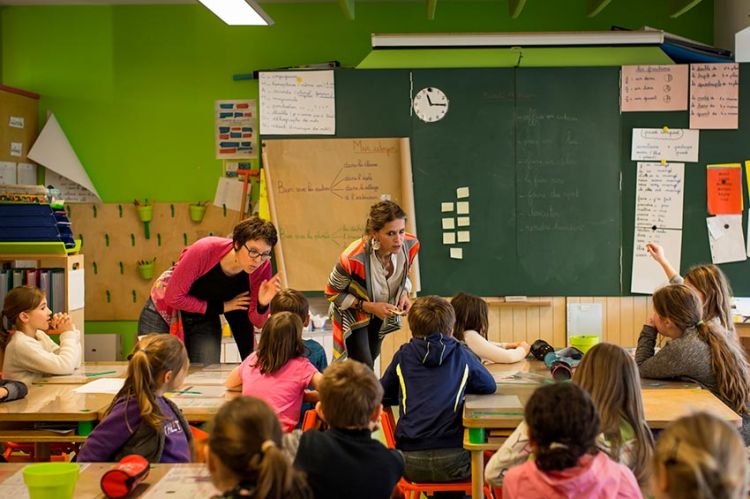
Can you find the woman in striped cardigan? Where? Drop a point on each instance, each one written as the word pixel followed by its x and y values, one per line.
pixel 369 286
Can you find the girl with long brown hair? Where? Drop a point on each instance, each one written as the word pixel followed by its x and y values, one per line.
pixel 245 457
pixel 279 372
pixel 140 419
pixel 699 350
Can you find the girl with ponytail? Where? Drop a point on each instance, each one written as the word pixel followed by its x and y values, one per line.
pixel 563 425
pixel 140 419
pixel 699 350
pixel 245 457
pixel 700 457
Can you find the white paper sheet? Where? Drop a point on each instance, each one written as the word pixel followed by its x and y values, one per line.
pixel 27 174
pixel 206 378
pixel 656 144
pixel 449 223
pixel 449 238
pixel 102 385
pixel 229 193
pixel 584 319
pixel 52 150
pixel 183 481
pixel 76 289
pixel 70 191
pixel 462 192
pixel 16 122
pixel 457 253
pixel 648 276
pixel 446 207
pixel 16 149
pixel 464 236
pixel 462 207
pixel 297 103
pixel 463 221
pixel 726 239
pixel 659 195
pixel 8 172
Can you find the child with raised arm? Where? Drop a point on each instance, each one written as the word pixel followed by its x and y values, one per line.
pixel 563 426
pixel 29 352
pixel 245 457
pixel 345 461
pixel 708 281
pixel 278 372
pixel 698 350
pixel 700 457
pixel 428 378
pixel 140 419
pixel 471 327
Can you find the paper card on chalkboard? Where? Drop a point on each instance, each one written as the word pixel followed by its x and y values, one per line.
pixel 659 195
pixel 462 192
pixel 445 207
pixel 647 275
pixel 726 239
pixel 714 96
pixel 449 238
pixel 462 207
pixel 457 253
pixel 466 221
pixel 297 103
pixel 656 144
pixel 724 189
pixel 463 236
pixel 654 88
pixel 449 223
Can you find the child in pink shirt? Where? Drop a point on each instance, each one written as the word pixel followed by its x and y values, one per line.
pixel 278 372
pixel 563 426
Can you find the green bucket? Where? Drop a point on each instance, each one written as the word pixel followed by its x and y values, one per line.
pixel 51 480
pixel 583 343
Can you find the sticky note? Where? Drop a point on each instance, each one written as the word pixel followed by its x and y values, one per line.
pixel 449 223
pixel 449 238
pixel 464 221
pixel 462 207
pixel 457 253
pixel 464 236
pixel 462 192
pixel 446 207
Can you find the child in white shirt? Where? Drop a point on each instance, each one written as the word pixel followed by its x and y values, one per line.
pixel 29 352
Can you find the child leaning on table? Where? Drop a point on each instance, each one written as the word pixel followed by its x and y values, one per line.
pixel 140 419
pixel 28 352
pixel 610 376
pixel 245 457
pixel 563 426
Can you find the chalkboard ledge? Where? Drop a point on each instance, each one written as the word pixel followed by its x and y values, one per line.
pixel 502 302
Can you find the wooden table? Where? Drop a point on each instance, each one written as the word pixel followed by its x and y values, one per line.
pixel 194 479
pixel 663 401
pixel 89 371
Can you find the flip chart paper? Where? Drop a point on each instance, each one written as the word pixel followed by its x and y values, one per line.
pixel 714 96
pixel 659 195
pixel 648 275
pixel 297 103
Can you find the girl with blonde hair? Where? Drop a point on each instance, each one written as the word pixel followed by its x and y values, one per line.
pixel 140 419
pixel 699 350
pixel 708 281
pixel 245 457
pixel 700 457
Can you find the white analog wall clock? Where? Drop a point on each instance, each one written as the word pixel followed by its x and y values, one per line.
pixel 430 104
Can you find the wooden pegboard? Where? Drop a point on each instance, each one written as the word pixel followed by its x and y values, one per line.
pixel 113 234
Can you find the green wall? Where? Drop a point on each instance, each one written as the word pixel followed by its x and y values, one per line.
pixel 133 86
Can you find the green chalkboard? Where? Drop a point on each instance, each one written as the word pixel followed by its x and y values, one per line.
pixel 539 151
pixel 716 146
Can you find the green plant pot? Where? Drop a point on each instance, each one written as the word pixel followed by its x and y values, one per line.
pixel 146 271
pixel 197 212
pixel 145 213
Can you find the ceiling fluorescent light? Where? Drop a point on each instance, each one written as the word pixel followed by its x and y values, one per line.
pixel 239 12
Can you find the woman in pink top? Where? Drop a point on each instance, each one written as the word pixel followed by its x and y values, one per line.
pixel 279 371
pixel 563 426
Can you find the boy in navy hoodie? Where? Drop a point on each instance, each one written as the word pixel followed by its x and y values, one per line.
pixel 428 379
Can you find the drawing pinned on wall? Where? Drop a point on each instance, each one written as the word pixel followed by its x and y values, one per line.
pixel 235 129
pixel 665 144
pixel 726 239
pixel 654 88
pixel 724 189
pixel 714 96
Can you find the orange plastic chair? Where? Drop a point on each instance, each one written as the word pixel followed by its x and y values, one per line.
pixel 200 442
pixel 410 489
pixel 312 421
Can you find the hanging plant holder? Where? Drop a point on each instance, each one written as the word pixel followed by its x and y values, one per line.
pixel 197 212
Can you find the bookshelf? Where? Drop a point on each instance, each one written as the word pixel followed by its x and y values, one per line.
pixel 23 257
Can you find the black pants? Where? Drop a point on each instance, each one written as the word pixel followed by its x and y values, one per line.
pixel 203 335
pixel 364 343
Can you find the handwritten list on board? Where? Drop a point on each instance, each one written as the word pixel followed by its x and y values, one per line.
pixel 297 103
pixel 714 96
pixel 654 88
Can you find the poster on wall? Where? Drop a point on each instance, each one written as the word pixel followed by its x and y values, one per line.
pixel 297 103
pixel 235 129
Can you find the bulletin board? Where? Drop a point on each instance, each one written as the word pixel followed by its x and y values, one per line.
pixel 114 240
pixel 20 108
